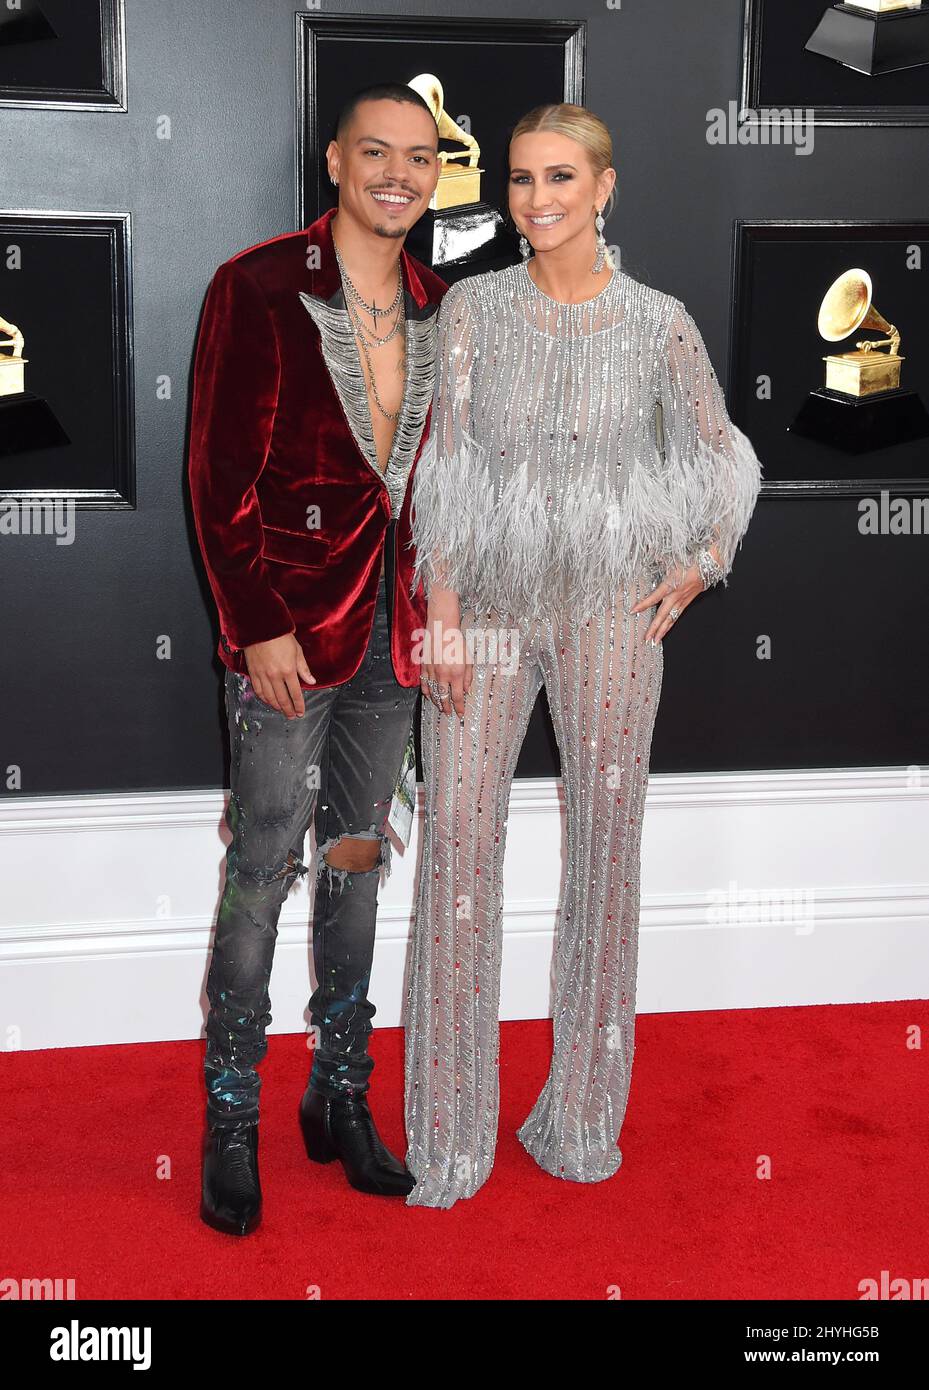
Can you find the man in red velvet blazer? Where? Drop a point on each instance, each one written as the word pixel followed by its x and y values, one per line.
pixel 313 385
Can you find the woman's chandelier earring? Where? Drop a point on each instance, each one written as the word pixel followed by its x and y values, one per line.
pixel 601 246
pixel 524 247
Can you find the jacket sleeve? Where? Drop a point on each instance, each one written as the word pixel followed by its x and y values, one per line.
pixel 450 463
pixel 711 470
pixel 235 388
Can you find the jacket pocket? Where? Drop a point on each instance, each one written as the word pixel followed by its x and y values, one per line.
pixel 307 551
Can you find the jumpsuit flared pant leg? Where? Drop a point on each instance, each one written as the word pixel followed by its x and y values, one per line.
pixel 603 685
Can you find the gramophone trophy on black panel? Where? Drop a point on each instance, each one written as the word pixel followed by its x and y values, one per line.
pixel 862 405
pixel 27 422
pixel 463 227
pixel 874 36
pixel 63 54
pixel 811 61
pixel 494 70
pixel 66 391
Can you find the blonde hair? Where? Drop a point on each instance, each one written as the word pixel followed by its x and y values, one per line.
pixel 580 125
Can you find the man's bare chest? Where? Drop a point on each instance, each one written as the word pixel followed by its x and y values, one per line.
pixel 384 370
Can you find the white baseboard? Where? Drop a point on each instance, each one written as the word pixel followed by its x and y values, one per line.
pixel 758 889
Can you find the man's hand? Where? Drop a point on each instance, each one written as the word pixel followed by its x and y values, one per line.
pixel 275 669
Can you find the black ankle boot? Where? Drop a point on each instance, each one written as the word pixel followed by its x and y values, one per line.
pixel 344 1129
pixel 231 1198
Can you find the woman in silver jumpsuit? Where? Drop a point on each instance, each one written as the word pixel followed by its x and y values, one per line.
pixel 581 471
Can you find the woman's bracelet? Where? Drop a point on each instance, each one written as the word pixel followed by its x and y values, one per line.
pixel 710 571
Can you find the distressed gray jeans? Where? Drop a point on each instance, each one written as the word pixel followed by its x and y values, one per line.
pixel 336 765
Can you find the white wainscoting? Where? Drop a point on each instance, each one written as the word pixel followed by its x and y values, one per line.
pixel 758 889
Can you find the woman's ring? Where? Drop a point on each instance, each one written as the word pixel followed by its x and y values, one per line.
pixel 674 614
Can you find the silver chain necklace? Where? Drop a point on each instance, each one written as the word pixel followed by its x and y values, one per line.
pixel 361 328
pixel 359 298
pixel 387 414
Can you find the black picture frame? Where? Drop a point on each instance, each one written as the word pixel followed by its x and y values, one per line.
pixel 72 298
pixel 778 75
pixel 76 62
pixel 780 271
pixel 319 37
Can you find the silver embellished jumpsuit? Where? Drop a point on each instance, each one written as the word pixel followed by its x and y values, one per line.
pixel 577 454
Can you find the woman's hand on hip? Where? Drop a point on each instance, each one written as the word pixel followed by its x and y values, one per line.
pixel 678 589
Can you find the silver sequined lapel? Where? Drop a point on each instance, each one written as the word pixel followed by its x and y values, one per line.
pixel 340 353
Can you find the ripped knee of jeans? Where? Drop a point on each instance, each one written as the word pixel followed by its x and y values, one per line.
pixel 353 856
pixel 290 870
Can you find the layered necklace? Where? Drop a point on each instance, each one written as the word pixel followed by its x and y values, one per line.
pixel 355 302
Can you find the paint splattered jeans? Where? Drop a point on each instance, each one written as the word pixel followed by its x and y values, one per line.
pixel 336 765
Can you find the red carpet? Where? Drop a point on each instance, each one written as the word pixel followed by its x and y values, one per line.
pixel 832 1094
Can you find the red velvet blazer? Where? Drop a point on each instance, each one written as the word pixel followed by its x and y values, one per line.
pixel 290 513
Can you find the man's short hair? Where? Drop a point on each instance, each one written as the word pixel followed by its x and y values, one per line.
pixel 381 91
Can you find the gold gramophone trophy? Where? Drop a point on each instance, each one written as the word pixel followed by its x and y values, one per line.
pixel 464 229
pixel 861 406
pixel 12 363
pixel 874 36
pixel 26 421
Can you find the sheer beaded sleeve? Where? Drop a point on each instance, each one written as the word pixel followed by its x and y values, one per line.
pixel 710 467
pixel 447 470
